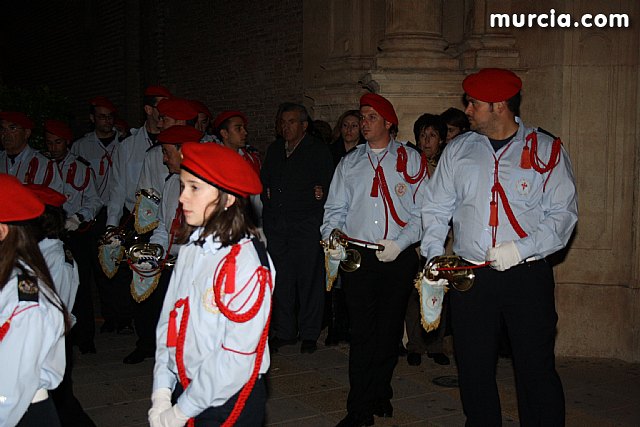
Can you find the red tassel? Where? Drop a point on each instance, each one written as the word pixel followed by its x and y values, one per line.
pixel 172 334
pixel 525 158
pixel 4 329
pixel 493 214
pixel 374 187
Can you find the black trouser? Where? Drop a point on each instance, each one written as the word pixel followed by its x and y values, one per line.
pixel 40 414
pixel 252 414
pixel 116 303
pixel 84 250
pixel 146 313
pixel 297 256
pixel 69 409
pixel 524 297
pixel 376 296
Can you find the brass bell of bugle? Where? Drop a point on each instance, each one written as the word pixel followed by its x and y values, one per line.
pixel 148 255
pixel 452 268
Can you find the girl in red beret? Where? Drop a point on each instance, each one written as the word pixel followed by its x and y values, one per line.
pixel 212 349
pixel 32 317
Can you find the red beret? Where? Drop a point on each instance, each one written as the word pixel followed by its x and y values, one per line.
pixel 177 108
pixel 47 195
pixel 201 108
pixel 59 129
pixel 157 91
pixel 179 134
pixel 381 105
pixel 18 118
pixel 492 85
pixel 18 203
pixel 102 101
pixel 221 167
pixel 227 115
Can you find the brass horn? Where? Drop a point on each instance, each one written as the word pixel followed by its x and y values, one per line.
pixel 146 258
pixel 353 258
pixel 115 235
pixel 458 272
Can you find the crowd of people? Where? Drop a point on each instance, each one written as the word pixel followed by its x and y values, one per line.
pixel 216 256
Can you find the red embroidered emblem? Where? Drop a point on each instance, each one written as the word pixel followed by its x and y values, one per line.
pixel 523 187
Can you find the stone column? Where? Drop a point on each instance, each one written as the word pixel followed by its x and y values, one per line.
pixel 413 37
pixel 487 46
pixel 351 29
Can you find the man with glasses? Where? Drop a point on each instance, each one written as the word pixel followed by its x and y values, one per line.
pixel 375 199
pixel 18 158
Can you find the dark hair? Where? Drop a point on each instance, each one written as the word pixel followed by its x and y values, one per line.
pixel 455 117
pixel 227 224
pixel 21 247
pixel 430 120
pixel 224 125
pixel 513 104
pixel 51 223
pixel 290 106
pixel 337 134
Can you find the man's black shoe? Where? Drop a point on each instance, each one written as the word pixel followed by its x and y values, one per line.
pixel 108 326
pixel 275 343
pixel 439 358
pixel 356 420
pixel 308 346
pixel 384 409
pixel 414 359
pixel 137 356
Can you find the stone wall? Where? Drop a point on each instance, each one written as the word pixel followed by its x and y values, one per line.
pixel 242 55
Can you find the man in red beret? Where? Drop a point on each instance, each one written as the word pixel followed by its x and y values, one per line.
pixel 149 292
pixel 123 165
pixel 375 200
pixel 98 147
pixel 82 203
pixel 203 122
pixel 18 158
pixel 230 128
pixel 128 162
pixel 172 112
pixel 295 175
pixel 510 193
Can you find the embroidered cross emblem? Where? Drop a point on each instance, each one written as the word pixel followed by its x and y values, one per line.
pixel 141 279
pixel 434 300
pixel 147 212
pixel 524 185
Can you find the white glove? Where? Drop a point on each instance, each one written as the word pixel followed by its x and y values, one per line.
pixel 172 417
pixel 504 256
pixel 72 223
pixel 390 252
pixel 160 402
